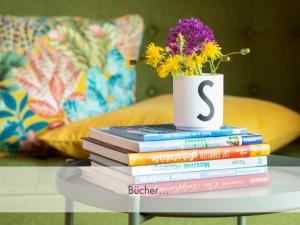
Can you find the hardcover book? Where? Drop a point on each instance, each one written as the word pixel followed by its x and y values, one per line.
pixel 169 132
pixel 173 156
pixel 105 135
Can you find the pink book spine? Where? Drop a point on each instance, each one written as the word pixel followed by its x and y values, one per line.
pixel 202 185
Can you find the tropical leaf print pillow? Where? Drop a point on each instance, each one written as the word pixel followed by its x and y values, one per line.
pixel 57 70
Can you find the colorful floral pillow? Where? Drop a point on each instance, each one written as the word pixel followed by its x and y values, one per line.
pixel 57 70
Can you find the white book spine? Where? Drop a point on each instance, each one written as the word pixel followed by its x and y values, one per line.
pixel 199 166
pixel 170 177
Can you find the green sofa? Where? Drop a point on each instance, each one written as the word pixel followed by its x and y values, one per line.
pixel 270 28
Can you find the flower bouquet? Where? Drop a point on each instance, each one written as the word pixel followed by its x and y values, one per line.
pixel 198 96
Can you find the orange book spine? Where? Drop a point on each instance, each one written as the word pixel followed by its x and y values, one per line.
pixel 191 155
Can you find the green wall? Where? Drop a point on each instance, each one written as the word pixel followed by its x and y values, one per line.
pixel 270 28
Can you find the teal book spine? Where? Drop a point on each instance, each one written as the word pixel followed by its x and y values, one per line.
pixel 169 132
pixel 207 142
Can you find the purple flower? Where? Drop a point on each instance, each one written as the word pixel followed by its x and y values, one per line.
pixel 195 33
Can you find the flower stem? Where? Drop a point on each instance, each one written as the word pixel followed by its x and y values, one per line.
pixel 232 53
pixel 218 64
pixel 220 60
pixel 211 66
pixel 199 70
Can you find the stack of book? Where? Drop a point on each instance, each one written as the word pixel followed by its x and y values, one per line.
pixel 161 160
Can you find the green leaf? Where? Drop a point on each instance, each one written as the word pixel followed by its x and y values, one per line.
pixel 9 75
pixel 21 60
pixel 27 114
pixel 10 58
pixel 8 132
pixel 12 87
pixel 9 100
pixel 4 58
pixel 23 102
pixel 37 126
pixel 4 114
pixel 4 70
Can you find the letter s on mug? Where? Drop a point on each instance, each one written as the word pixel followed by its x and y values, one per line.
pixel 206 100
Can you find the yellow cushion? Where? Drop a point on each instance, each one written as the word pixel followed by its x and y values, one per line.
pixel 278 124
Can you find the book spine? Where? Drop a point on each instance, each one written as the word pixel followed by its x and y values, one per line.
pixel 199 166
pixel 193 134
pixel 193 186
pixel 251 139
pixel 191 155
pixel 192 143
pixel 171 177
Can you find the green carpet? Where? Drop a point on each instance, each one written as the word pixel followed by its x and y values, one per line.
pixel 25 160
pixel 121 219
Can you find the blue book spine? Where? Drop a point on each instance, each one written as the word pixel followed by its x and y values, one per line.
pixel 140 133
pixel 251 139
pixel 207 142
pixel 194 134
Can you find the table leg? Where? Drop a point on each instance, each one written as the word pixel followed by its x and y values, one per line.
pixel 133 218
pixel 241 220
pixel 69 216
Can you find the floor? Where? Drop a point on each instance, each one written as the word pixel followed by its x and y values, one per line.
pixel 121 219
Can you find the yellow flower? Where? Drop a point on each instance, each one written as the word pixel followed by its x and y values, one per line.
pixel 162 71
pixel 154 55
pixel 201 59
pixel 191 61
pixel 173 63
pixel 188 72
pixel 211 51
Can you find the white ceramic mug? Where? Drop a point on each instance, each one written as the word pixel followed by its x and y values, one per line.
pixel 198 102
